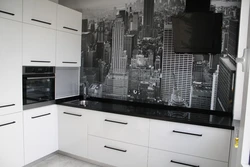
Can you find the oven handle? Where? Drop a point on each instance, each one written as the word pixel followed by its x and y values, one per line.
pixel 33 78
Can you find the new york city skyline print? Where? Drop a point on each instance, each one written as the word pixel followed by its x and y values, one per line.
pixel 128 54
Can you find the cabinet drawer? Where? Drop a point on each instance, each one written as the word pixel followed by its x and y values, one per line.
pixel 11 137
pixel 119 127
pixel 206 142
pixel 68 50
pixel 116 153
pixel 158 158
pixel 72 130
pixel 40 132
pixel 11 9
pixel 39 12
pixel 39 46
pixel 69 20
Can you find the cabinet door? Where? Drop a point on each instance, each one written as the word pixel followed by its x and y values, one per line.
pixel 158 158
pixel 68 50
pixel 40 132
pixel 11 9
pixel 72 131
pixel 69 20
pixel 39 12
pixel 11 140
pixel 38 46
pixel 116 153
pixel 10 66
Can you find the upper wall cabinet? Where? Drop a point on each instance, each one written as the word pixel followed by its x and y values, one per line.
pixel 39 46
pixel 69 20
pixel 40 13
pixel 10 66
pixel 11 9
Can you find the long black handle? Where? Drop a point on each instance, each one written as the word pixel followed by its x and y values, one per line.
pixel 69 62
pixel 8 123
pixel 40 116
pixel 77 115
pixel 68 28
pixel 117 122
pixel 8 13
pixel 180 163
pixel 38 61
pixel 40 21
pixel 186 133
pixel 116 149
pixel 10 105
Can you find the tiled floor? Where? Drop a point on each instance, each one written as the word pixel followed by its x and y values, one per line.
pixel 58 160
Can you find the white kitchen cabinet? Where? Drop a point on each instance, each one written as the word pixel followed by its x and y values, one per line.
pixel 40 132
pixel 159 158
pixel 11 9
pixel 40 12
pixel 39 46
pixel 11 140
pixel 10 66
pixel 68 50
pixel 122 128
pixel 206 142
pixel 69 20
pixel 72 131
pixel 116 153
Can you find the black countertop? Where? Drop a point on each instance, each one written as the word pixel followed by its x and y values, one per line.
pixel 214 119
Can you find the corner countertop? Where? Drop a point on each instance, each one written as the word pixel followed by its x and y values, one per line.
pixel 214 119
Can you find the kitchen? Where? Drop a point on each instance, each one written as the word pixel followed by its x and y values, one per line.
pixel 87 80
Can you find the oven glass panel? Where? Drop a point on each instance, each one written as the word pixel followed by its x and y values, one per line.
pixel 38 90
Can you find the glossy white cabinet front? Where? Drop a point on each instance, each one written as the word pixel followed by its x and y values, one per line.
pixel 40 132
pixel 72 130
pixel 68 50
pixel 69 20
pixel 158 158
pixel 11 140
pixel 206 142
pixel 122 128
pixel 40 12
pixel 116 153
pixel 38 46
pixel 10 66
pixel 11 9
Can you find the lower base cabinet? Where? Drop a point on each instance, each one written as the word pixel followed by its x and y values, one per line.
pixel 40 132
pixel 116 153
pixel 158 158
pixel 72 131
pixel 11 140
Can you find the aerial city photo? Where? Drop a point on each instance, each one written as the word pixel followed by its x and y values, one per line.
pixel 128 54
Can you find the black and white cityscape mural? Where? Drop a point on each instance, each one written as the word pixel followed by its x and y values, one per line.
pixel 127 54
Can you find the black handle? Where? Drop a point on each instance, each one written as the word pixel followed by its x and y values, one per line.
pixel 77 115
pixel 40 21
pixel 10 105
pixel 8 13
pixel 40 116
pixel 180 163
pixel 37 61
pixel 116 149
pixel 68 28
pixel 186 133
pixel 117 122
pixel 8 123
pixel 69 62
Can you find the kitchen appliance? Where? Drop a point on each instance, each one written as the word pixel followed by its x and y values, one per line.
pixel 38 86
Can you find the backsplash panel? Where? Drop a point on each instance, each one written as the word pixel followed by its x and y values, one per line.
pixel 130 57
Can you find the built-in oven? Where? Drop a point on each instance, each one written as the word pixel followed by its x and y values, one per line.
pixel 38 86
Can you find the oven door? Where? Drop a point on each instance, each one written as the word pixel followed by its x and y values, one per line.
pixel 38 88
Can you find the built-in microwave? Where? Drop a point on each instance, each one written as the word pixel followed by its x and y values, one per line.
pixel 38 86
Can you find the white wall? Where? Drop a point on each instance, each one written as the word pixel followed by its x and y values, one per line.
pixel 56 1
pixel 67 82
